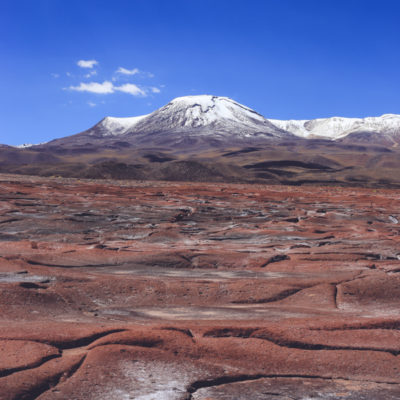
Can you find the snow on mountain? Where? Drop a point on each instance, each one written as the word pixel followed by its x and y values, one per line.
pixel 221 116
pixel 24 146
pixel 185 122
pixel 196 111
pixel 118 126
pixel 207 115
pixel 337 127
pixel 211 121
pixel 28 145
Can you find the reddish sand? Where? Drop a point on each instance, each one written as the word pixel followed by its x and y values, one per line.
pixel 160 290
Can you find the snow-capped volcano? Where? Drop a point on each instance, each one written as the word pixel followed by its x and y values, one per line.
pixel 202 114
pixel 197 111
pixel 203 111
pixel 185 121
pixel 207 115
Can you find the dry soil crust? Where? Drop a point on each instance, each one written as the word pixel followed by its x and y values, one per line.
pixel 115 290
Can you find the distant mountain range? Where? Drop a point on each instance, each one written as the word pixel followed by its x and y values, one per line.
pixel 215 138
pixel 222 119
pixel 185 122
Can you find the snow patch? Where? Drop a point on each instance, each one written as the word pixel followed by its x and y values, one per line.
pixel 338 127
pixel 118 126
pixel 27 145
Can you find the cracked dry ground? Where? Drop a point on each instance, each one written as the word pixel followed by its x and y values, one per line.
pixel 156 290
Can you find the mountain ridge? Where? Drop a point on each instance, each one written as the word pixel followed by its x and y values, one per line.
pixel 204 120
pixel 202 115
pixel 211 138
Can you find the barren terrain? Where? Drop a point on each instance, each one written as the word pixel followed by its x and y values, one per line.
pixel 288 162
pixel 162 290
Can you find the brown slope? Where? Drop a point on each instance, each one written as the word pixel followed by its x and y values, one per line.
pixel 295 161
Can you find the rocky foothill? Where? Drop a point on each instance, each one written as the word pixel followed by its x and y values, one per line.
pixel 173 290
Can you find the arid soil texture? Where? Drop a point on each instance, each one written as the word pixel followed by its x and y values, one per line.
pixel 160 290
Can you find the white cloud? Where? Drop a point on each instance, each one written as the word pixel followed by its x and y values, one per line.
pixel 91 73
pixel 94 87
pixel 68 73
pixel 55 75
pixel 125 71
pixel 87 63
pixel 91 104
pixel 155 90
pixel 108 87
pixel 131 89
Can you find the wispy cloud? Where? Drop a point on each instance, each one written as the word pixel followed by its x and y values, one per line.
pixel 130 88
pixel 86 63
pixel 124 71
pixel 118 82
pixel 94 87
pixel 55 75
pixel 91 73
pixel 108 87
pixel 91 104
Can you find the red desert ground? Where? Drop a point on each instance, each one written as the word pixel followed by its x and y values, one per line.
pixel 171 290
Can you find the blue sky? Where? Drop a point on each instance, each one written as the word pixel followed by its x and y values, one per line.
pixel 287 59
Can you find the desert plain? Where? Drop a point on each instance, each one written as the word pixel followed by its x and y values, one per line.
pixel 177 290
